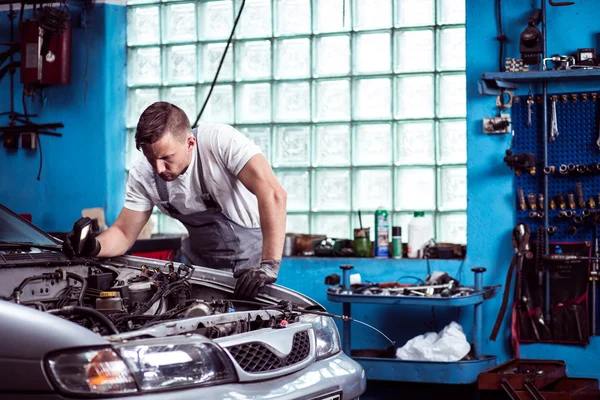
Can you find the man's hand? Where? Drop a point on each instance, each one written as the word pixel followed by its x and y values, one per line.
pixel 251 281
pixel 91 246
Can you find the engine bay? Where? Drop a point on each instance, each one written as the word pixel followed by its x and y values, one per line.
pixel 110 300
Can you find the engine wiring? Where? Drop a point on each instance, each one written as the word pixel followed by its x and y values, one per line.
pixel 289 306
pixel 170 292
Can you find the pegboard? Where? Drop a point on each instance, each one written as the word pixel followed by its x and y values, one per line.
pixel 578 127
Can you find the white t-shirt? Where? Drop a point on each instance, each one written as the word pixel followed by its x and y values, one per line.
pixel 224 151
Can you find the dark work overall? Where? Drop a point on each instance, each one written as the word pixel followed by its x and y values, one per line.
pixel 214 240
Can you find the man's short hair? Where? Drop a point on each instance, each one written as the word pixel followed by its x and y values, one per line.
pixel 158 119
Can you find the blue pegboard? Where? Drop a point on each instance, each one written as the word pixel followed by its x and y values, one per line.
pixel 577 115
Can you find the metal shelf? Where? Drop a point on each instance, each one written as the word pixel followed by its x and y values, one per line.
pixel 454 373
pixel 392 369
pixel 401 300
pixel 492 83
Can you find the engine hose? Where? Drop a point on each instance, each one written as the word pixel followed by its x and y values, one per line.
pixel 83 282
pixel 17 291
pixel 86 312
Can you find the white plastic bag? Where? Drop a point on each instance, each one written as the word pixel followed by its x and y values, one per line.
pixel 449 345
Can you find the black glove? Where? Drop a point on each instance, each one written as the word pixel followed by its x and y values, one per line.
pixel 250 281
pixel 91 246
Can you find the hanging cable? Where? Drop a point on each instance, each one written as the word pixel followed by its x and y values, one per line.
pixel 37 135
pixel 39 143
pixel 501 38
pixel 20 25
pixel 53 20
pixel 214 82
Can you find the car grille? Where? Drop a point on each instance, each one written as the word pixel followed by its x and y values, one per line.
pixel 256 357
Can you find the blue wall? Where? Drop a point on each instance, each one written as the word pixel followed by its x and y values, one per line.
pixel 84 168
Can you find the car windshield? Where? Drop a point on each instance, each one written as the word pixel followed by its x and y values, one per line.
pixel 14 229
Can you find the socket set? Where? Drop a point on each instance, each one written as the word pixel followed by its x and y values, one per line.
pixel 573 169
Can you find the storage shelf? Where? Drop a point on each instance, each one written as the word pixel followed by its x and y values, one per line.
pixel 393 369
pixel 451 372
pixel 469 300
pixel 539 76
pixel 492 82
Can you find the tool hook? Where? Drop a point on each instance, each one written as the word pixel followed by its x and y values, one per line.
pixel 561 3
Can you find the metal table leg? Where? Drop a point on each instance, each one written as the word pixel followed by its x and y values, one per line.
pixel 478 335
pixel 346 309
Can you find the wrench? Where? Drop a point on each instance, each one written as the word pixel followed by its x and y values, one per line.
pixel 554 131
pixel 529 110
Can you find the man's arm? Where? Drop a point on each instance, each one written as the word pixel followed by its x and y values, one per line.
pixel 119 238
pixel 258 177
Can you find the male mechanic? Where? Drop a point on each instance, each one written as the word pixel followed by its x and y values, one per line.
pixel 217 183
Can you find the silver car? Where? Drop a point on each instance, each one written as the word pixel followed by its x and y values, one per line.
pixel 132 327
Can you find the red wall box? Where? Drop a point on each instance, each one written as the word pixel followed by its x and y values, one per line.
pixel 52 68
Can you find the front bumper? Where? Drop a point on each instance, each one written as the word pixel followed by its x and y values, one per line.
pixel 337 373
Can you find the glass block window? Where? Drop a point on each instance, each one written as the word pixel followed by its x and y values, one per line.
pixel 356 104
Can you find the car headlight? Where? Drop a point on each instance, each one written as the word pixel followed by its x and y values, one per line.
pixel 326 335
pixel 140 368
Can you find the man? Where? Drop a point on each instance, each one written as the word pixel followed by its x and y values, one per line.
pixel 217 183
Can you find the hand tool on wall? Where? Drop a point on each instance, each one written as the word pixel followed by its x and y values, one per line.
pixel 529 110
pixel 531 199
pixel 594 278
pixel 561 3
pixel 522 203
pixel 571 200
pixel 539 252
pixel 565 214
pixel 520 162
pixel 529 312
pixel 560 199
pixel 580 198
pixel 554 122
pixel 520 240
pixel 563 170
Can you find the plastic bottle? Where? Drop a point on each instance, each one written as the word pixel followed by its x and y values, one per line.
pixel 382 233
pixel 396 242
pixel 419 232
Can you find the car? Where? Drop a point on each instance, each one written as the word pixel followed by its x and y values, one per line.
pixel 132 327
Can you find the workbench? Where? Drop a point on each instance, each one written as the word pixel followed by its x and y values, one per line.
pixel 393 369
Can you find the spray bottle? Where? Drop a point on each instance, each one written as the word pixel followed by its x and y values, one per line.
pixel 382 233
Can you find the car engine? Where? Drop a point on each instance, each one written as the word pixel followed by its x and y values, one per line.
pixel 110 300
